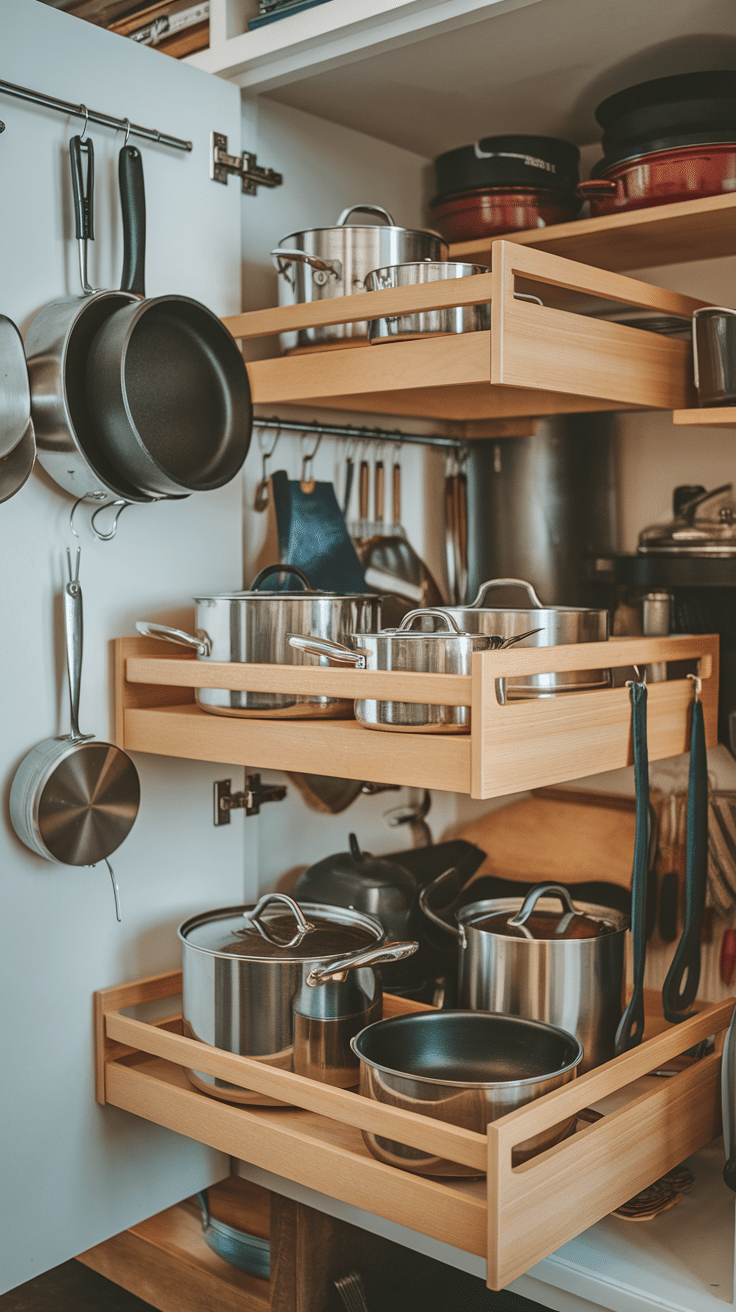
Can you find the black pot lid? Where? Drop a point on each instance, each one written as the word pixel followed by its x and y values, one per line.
pixel 699 86
pixel 357 875
pixel 640 152
pixel 507 161
pixel 273 933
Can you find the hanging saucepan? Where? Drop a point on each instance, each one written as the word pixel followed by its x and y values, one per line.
pixel 74 799
pixel 15 406
pixel 57 344
pixel 321 263
pixel 167 387
pixel 290 984
pixel 253 627
pixel 16 466
pixel 558 626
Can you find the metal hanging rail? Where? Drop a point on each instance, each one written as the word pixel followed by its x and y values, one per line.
pixel 94 116
pixel 360 434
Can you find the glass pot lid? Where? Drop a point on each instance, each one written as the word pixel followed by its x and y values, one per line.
pixel 279 929
pixel 703 526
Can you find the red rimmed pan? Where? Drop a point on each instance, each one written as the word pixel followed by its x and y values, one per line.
pixel 167 386
pixel 662 177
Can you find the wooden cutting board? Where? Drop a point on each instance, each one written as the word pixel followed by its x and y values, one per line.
pixel 558 834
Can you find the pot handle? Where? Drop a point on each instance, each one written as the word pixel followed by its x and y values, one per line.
pixel 728 1103
pixel 372 957
pixel 530 901
pixel 596 187
pixel 202 645
pixel 506 583
pixel 450 622
pixel 365 209
pixel 268 570
pixel 283 258
pixel 303 925
pixel 426 909
pixel 335 651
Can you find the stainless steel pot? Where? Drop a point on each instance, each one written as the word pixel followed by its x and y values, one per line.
pixel 432 323
pixel 714 355
pixel 558 626
pixel 447 652
pixel 287 984
pixel 464 1067
pixel 322 263
pixel 545 957
pixel 253 626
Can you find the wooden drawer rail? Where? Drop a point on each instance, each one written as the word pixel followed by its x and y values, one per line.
pixel 527 1211
pixel 536 360
pixel 511 748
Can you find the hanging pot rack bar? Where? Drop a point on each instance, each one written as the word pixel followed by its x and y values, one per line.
pixel 361 434
pixel 94 116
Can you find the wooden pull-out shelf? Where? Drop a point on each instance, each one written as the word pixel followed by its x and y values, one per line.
pixel 511 748
pixel 536 360
pixel 515 1217
pixel 716 416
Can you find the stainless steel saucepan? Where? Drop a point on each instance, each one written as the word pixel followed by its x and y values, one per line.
pixel 253 626
pixel 445 651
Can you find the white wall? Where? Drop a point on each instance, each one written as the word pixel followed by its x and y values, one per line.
pixel 72 1172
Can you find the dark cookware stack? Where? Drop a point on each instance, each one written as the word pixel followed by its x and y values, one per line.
pixel 504 184
pixel 667 140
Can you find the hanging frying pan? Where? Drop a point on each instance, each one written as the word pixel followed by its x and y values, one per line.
pixel 167 386
pixel 15 408
pixel 56 345
pixel 74 799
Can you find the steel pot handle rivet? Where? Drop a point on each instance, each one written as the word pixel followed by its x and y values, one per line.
pixel 303 925
pixel 530 901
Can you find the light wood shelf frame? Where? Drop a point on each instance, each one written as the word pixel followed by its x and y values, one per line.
pixel 316 1140
pixel 723 416
pixel 536 360
pixel 510 748
pixel 703 229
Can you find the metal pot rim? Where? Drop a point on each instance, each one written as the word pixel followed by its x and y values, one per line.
pixel 362 227
pixel 340 915
pixel 488 906
pixel 503 1018
pixel 290 596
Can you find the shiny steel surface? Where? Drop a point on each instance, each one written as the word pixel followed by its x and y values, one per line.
pixel 574 983
pixel 15 411
pixel 464 1067
pixel 346 254
pixel 254 627
pixel 265 1006
pixel 557 626
pixel 705 526
pixel 15 468
pixel 433 323
pixel 714 352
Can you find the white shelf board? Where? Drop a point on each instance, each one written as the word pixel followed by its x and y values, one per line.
pixel 682 1261
pixel 430 75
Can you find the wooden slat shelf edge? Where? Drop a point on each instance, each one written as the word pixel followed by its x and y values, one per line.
pixel 512 748
pixel 640 239
pixel 589 1174
pixel 708 416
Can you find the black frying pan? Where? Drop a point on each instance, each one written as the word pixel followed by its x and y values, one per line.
pixel 167 386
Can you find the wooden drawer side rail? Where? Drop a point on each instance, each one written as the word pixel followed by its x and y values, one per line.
pixel 587 1175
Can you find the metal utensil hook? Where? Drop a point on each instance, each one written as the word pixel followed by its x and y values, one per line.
pixel 83 110
pixel 126 121
pixel 107 537
pixel 73 575
pixel 260 500
pixel 697 685
pixel 115 889
pixel 88 496
pixel 307 479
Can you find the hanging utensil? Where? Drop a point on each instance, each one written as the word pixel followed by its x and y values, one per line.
pixel 396 527
pixel 461 528
pixel 451 529
pixel 630 1031
pixel 379 494
pixel 349 476
pixel 74 799
pixel 683 977
pixel 260 500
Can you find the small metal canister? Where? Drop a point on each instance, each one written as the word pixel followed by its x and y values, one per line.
pixel 714 355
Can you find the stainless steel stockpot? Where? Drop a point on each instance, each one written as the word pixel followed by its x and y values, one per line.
pixel 287 983
pixel 545 957
pixel 558 626
pixel 714 355
pixel 321 263
pixel 446 652
pixel 253 626
pixel 464 1067
pixel 431 323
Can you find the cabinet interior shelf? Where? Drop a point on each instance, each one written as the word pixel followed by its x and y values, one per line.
pixel 640 239
pixel 650 1125
pixel 510 748
pixel 536 360
pixel 721 416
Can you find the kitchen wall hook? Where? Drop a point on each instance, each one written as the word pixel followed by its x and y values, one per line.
pixel 250 801
pixel 252 175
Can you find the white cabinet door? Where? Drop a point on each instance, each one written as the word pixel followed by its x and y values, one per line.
pixel 72 1173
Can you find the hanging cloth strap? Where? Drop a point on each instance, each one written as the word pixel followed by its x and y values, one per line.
pixel 681 985
pixel 631 1026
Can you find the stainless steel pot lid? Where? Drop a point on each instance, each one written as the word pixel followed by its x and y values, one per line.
pixel 704 526
pixel 558 919
pixel 279 929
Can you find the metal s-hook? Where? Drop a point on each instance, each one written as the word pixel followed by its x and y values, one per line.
pixel 88 496
pixel 697 685
pixel 126 121
pixel 83 109
pixel 307 480
pixel 260 501
pixel 107 537
pixel 73 575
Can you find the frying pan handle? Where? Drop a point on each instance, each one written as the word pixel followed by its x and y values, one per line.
pixel 133 206
pixel 334 651
pixel 506 583
pixel 681 984
pixel 201 645
pixel 83 187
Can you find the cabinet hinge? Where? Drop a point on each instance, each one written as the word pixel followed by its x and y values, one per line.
pixel 250 801
pixel 244 166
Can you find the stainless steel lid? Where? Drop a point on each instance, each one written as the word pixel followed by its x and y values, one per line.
pixel 279 929
pixel 704 526
pixel 546 913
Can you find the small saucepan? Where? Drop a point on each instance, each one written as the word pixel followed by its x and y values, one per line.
pixel 465 1067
